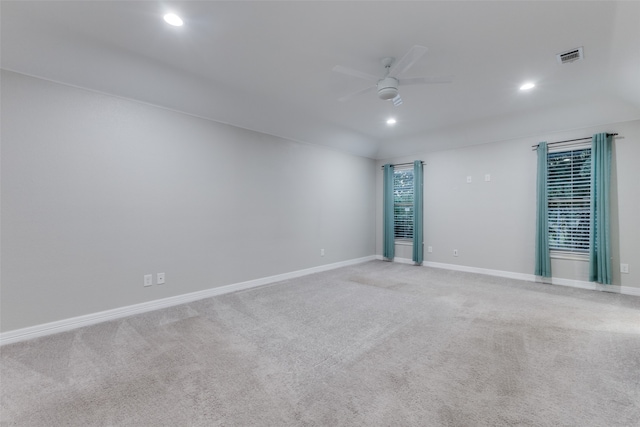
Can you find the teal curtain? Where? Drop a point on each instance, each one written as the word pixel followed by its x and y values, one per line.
pixel 388 236
pixel 417 212
pixel 543 257
pixel 600 244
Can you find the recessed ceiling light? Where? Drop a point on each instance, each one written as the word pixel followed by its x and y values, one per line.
pixel 173 19
pixel 391 121
pixel 527 86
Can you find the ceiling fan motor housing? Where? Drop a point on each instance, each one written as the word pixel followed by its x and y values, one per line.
pixel 388 88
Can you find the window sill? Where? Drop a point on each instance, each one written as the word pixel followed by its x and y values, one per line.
pixel 569 255
pixel 404 242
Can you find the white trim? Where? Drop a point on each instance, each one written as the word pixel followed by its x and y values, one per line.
pixel 396 259
pixel 498 273
pixel 582 284
pixel 630 290
pixel 593 286
pixel 118 313
pixel 404 261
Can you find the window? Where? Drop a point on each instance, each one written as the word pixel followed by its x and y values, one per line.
pixel 403 204
pixel 569 192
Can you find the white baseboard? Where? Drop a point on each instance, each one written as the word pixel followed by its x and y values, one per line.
pixel 498 273
pixel 117 313
pixel 404 261
pixel 396 259
pixel 630 290
pixel 626 290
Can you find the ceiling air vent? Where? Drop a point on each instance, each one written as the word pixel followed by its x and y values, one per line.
pixel 570 55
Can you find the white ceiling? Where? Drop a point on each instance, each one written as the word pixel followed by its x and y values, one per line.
pixel 267 66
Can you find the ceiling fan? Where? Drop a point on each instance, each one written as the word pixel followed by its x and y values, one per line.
pixel 387 86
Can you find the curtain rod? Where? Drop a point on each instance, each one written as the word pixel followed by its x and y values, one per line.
pixel 534 147
pixel 403 164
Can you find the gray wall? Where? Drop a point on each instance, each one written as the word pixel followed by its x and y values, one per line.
pixel 492 224
pixel 98 191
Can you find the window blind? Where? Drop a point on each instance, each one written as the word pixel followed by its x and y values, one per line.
pixel 569 190
pixel 403 203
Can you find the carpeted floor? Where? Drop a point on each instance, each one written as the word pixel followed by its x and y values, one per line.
pixel 377 344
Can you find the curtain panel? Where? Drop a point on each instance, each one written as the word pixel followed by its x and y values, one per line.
pixel 418 196
pixel 388 236
pixel 600 243
pixel 543 256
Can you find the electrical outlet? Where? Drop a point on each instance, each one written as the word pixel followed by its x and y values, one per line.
pixel 624 268
pixel 160 279
pixel 455 252
pixel 429 249
pixel 321 252
pixel 148 279
pixel 468 180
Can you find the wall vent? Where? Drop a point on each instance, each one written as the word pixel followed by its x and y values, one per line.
pixel 570 56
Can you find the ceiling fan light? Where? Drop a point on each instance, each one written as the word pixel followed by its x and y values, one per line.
pixel 387 88
pixel 387 93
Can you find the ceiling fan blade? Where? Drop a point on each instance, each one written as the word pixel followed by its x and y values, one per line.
pixel 360 92
pixel 426 80
pixel 407 61
pixel 355 73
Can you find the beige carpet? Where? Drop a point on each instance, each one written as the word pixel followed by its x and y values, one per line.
pixel 377 344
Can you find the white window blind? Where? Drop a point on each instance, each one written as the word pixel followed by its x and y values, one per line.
pixel 403 203
pixel 569 191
